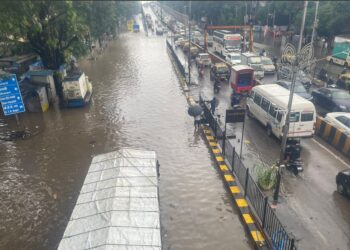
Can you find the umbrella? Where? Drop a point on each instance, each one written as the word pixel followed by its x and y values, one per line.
pixel 195 110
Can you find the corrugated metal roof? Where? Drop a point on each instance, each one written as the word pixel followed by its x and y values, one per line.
pixel 118 205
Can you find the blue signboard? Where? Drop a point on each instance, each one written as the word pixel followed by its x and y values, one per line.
pixel 10 95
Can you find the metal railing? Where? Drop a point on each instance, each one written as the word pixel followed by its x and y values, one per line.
pixel 279 239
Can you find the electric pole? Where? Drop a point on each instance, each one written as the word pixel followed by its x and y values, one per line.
pixel 314 29
pixel 290 101
pixel 189 40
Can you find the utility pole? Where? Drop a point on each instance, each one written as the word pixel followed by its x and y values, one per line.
pixel 314 29
pixel 290 101
pixel 189 40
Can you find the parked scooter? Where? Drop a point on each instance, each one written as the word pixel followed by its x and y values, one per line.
pixel 292 155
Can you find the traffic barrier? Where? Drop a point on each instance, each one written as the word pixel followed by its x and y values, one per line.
pixel 336 137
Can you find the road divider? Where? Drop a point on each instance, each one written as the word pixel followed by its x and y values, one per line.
pixel 252 224
pixel 336 137
pixel 237 194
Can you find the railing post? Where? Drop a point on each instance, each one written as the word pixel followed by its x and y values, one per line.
pixel 215 124
pixel 292 245
pixel 233 159
pixel 246 182
pixel 264 214
pixel 223 143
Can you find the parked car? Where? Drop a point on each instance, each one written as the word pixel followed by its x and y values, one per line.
pixel 219 71
pixel 339 120
pixel 286 73
pixel 332 99
pixel 233 58
pixel 343 182
pixel 203 59
pixel 267 65
pixel 299 88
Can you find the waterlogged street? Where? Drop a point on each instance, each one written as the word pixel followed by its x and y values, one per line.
pixel 137 103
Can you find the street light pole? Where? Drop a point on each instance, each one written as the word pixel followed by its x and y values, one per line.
pixel 290 101
pixel 314 31
pixel 189 40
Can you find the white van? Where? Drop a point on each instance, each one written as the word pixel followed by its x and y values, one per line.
pixel 268 104
pixel 254 61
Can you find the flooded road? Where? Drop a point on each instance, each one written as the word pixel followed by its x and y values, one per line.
pixel 137 102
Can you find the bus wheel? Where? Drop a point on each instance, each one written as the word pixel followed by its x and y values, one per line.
pixel 268 130
pixel 346 64
pixel 331 61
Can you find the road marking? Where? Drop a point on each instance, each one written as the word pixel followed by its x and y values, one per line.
pixel 248 219
pixel 219 158
pixel 223 168
pixel 216 150
pixel 235 190
pixel 228 177
pixel 329 151
pixel 241 203
pixel 257 236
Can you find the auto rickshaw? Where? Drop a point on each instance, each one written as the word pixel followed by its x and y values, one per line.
pixel 242 79
pixel 219 71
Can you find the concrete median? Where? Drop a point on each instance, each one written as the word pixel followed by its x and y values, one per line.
pixel 338 138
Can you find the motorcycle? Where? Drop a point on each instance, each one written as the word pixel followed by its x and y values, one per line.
pixel 217 87
pixel 293 162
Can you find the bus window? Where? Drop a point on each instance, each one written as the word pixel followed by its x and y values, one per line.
pixel 307 117
pixel 265 104
pixel 294 117
pixel 272 111
pixel 257 99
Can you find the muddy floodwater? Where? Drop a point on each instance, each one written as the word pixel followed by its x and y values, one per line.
pixel 137 102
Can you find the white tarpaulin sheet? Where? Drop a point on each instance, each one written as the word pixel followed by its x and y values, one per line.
pixel 118 204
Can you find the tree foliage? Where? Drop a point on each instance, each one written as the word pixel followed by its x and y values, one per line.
pixel 55 29
pixel 333 16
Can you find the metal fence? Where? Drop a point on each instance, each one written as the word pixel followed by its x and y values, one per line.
pixel 177 61
pixel 279 238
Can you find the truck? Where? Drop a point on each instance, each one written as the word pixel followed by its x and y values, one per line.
pixel 341 51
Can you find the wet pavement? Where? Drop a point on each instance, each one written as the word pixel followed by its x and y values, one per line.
pixel 137 102
pixel 309 207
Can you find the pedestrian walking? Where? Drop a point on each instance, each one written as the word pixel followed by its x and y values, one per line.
pixel 213 105
pixel 197 122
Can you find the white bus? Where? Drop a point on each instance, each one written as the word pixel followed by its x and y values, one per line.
pixel 225 42
pixel 268 104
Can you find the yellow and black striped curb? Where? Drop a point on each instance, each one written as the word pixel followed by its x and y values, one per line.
pixel 334 136
pixel 254 232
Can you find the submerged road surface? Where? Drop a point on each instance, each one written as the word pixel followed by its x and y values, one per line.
pixel 137 102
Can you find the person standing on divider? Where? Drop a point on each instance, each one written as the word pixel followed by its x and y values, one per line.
pixel 197 121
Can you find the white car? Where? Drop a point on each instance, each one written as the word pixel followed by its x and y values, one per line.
pixel 203 59
pixel 340 120
pixel 267 65
pixel 233 58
